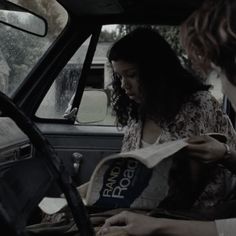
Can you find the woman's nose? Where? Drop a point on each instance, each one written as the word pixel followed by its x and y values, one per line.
pixel 124 83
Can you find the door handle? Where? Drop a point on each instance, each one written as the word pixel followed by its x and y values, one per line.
pixel 77 160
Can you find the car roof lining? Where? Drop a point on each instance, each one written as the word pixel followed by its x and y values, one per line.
pixel 124 11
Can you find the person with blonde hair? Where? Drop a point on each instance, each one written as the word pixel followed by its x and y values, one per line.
pixel 209 37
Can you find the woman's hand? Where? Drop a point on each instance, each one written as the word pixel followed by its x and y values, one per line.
pixel 206 149
pixel 130 223
pixel 133 224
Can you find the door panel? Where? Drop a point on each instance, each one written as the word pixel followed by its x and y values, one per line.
pixel 91 142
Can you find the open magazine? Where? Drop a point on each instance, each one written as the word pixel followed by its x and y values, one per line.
pixel 135 179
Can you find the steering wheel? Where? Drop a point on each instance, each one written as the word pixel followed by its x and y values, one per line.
pixel 51 159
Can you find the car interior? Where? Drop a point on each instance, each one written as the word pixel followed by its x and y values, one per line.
pixel 56 120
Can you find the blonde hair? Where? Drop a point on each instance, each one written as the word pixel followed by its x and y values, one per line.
pixel 209 36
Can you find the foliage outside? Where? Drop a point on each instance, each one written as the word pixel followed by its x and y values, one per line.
pixel 21 55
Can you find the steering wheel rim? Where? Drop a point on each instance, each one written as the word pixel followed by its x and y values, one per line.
pixel 49 155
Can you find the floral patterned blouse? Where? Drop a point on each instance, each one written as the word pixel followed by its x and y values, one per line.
pixel 192 119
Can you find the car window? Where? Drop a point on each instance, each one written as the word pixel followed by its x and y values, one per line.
pixel 60 97
pixel 18 57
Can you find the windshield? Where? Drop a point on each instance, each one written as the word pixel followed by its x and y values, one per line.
pixel 20 51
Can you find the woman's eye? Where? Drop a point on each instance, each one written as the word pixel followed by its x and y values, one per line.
pixel 132 74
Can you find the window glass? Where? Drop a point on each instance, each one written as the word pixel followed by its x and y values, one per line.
pixel 60 95
pixel 99 79
pixel 57 103
pixel 18 57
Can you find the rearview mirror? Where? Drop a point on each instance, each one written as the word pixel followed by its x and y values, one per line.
pixel 93 107
pixel 22 19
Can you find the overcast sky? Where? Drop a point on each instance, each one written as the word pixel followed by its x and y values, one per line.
pixel 109 27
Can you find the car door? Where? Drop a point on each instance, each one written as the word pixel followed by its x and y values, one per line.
pixel 83 140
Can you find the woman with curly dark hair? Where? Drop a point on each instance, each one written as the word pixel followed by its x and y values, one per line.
pixel 155 97
pixel 149 58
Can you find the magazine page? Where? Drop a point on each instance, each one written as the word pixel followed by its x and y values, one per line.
pixel 127 183
pixel 150 156
pixel 153 154
pixel 135 179
pixel 52 205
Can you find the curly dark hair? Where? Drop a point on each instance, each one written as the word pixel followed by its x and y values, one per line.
pixel 164 83
pixel 209 36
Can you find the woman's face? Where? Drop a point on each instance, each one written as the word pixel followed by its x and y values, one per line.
pixel 129 77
